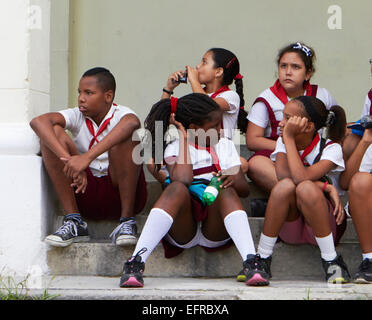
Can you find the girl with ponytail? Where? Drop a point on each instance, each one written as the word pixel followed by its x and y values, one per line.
pixel 180 218
pixel 304 206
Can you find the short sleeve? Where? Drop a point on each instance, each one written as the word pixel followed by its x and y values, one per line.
pixel 279 148
pixel 258 115
pixel 366 165
pixel 232 98
pixel 333 153
pixel 172 149
pixel 73 118
pixel 227 154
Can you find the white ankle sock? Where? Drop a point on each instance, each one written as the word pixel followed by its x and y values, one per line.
pixel 237 226
pixel 327 247
pixel 156 227
pixel 367 255
pixel 266 246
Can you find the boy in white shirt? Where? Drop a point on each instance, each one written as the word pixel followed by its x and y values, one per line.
pixel 93 173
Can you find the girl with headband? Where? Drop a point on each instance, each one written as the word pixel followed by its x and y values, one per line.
pixel 295 69
pixel 304 206
pixel 180 218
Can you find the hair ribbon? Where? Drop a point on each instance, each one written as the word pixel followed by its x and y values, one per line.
pixel 174 104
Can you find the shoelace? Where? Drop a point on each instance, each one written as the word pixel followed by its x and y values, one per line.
pixel 134 264
pixel 125 228
pixel 68 226
pixel 364 265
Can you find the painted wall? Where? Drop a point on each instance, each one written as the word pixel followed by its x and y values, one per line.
pixel 142 42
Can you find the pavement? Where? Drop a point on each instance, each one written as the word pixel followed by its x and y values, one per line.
pixel 157 288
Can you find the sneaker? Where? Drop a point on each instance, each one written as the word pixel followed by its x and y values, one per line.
pixel 133 271
pixel 241 277
pixel 258 207
pixel 364 274
pixel 336 270
pixel 125 234
pixel 71 231
pixel 256 270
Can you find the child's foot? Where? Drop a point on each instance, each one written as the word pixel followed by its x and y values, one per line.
pixel 336 270
pixel 364 273
pixel 72 230
pixel 241 277
pixel 125 234
pixel 133 271
pixel 256 270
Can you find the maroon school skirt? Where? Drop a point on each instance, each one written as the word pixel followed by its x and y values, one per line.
pixel 265 153
pixel 101 200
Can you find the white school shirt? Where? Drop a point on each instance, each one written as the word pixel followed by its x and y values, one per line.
pixel 229 117
pixel 332 152
pixel 225 149
pixel 366 164
pixel 367 104
pixel 260 117
pixel 75 123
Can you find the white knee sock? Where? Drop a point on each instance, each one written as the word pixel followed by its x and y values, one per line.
pixel 237 226
pixel 327 247
pixel 266 246
pixel 367 255
pixel 156 227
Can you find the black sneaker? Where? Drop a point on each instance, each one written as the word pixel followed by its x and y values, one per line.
pixel 267 266
pixel 258 207
pixel 256 270
pixel 72 230
pixel 133 271
pixel 125 234
pixel 364 274
pixel 336 270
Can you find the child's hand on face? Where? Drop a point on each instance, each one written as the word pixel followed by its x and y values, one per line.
pixel 178 125
pixel 294 126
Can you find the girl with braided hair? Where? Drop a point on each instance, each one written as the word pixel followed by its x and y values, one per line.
pixel 180 218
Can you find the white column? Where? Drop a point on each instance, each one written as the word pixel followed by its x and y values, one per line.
pixel 24 93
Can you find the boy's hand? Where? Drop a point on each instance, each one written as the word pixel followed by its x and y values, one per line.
pixel 75 165
pixel 80 183
pixel 294 126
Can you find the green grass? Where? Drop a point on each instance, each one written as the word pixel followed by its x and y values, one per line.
pixel 10 289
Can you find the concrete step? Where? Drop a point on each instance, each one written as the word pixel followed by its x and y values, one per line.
pixel 102 258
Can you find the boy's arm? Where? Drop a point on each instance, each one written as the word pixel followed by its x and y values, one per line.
pixel 355 160
pixel 43 127
pixel 121 132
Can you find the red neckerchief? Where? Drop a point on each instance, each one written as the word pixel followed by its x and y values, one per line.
pixel 220 90
pixel 212 152
pixel 102 128
pixel 310 148
pixel 280 93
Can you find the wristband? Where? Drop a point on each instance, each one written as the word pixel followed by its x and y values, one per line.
pixel 325 186
pixel 167 91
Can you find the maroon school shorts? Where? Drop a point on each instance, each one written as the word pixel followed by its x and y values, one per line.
pixel 101 200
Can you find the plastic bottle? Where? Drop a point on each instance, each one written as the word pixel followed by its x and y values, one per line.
pixel 211 191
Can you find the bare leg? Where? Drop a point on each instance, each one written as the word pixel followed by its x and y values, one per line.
pixel 281 207
pixel 54 167
pixel 124 175
pixel 313 205
pixel 261 171
pixel 360 202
